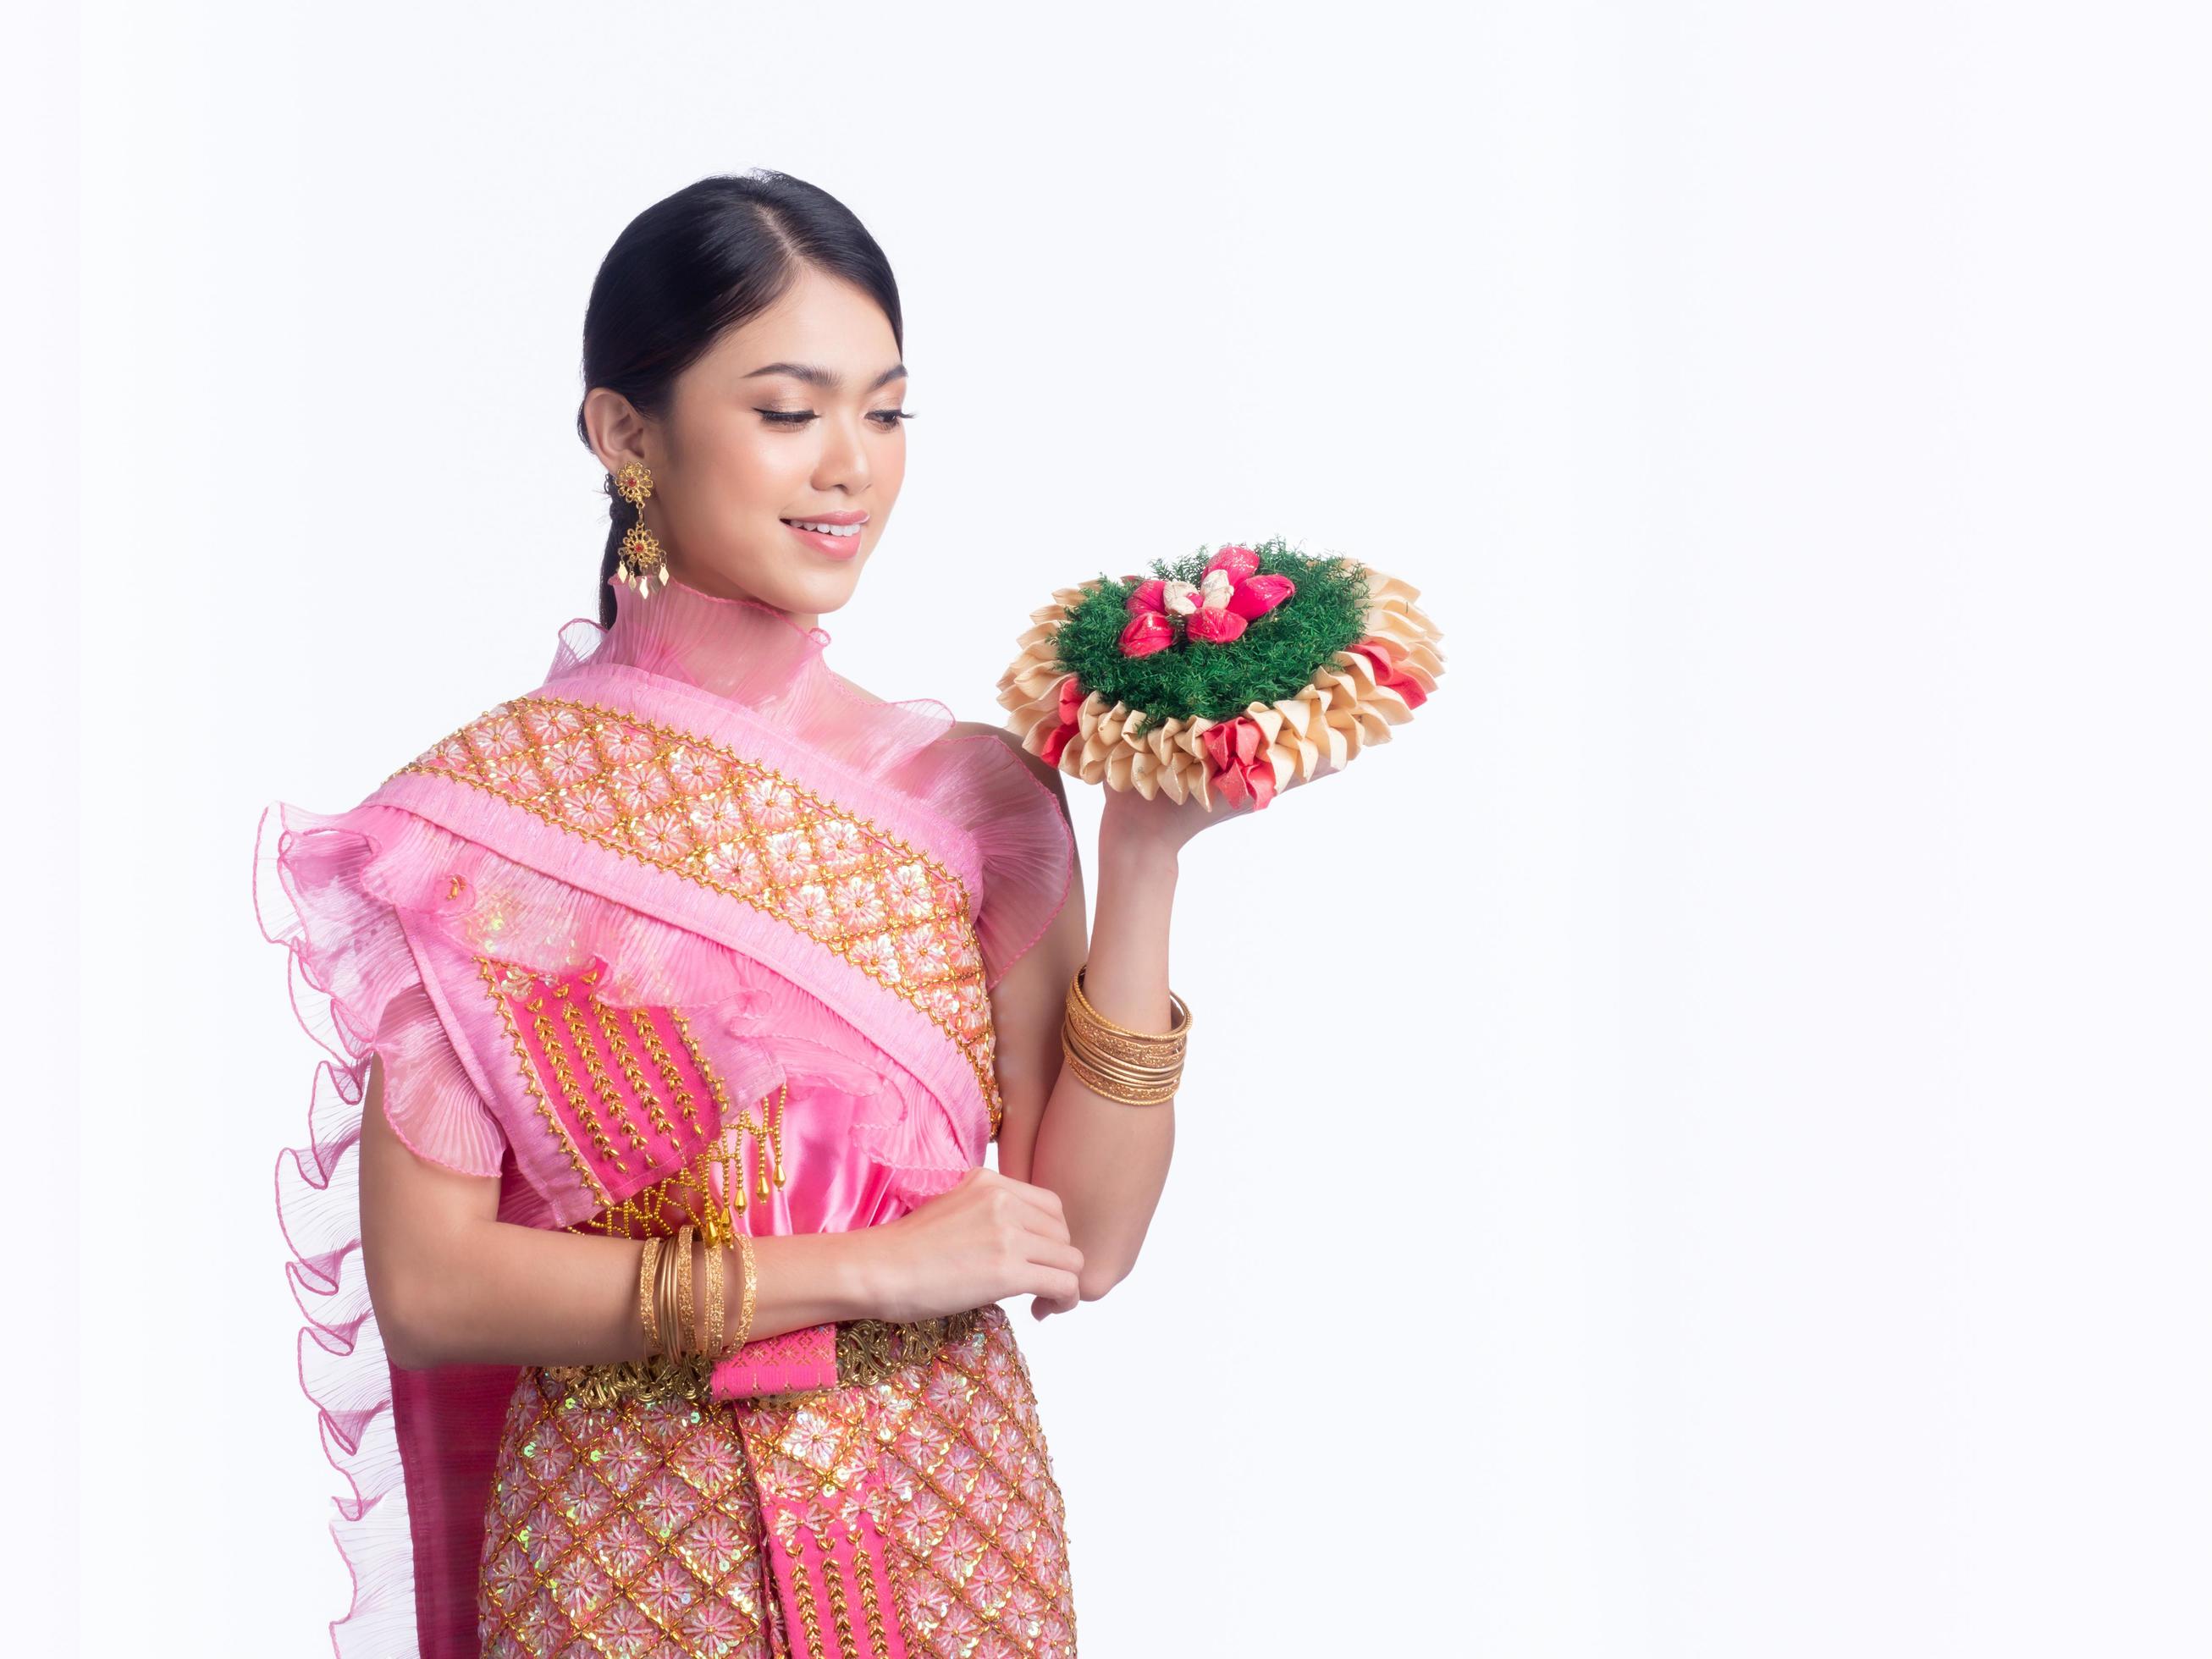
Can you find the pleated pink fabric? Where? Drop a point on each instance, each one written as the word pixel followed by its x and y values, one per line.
pixel 771 883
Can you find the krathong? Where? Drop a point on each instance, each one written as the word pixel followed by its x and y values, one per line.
pixel 1223 677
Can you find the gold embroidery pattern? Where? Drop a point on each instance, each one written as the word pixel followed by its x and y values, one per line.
pixel 638 1528
pixel 804 1584
pixel 492 973
pixel 685 1103
pixel 679 803
pixel 836 1580
pixel 869 1351
pixel 879 1645
pixel 548 1071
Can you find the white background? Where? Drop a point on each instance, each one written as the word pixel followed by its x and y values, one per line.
pixel 1698 1148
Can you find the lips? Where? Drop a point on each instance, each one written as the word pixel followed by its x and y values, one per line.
pixel 833 547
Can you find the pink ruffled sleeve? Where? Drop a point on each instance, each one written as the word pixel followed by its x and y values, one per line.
pixel 351 946
pixel 429 1100
pixel 1025 849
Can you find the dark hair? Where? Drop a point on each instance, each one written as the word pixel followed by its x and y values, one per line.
pixel 694 264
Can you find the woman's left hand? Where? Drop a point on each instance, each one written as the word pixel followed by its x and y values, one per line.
pixel 1165 825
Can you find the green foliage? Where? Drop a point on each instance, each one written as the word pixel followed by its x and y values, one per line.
pixel 1273 658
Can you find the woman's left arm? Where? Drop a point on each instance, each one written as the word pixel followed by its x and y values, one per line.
pixel 1108 1162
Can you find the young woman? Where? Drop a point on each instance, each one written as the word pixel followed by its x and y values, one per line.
pixel 653 1268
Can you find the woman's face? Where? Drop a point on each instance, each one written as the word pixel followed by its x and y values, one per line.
pixel 795 416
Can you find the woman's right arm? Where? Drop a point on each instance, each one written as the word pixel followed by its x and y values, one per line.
pixel 452 1284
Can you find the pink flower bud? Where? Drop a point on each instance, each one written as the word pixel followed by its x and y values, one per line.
pixel 1146 596
pixel 1238 561
pixel 1218 627
pixel 1148 631
pixel 1255 596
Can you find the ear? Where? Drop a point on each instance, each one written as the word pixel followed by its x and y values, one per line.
pixel 614 428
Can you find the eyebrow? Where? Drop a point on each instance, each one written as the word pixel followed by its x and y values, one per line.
pixel 823 378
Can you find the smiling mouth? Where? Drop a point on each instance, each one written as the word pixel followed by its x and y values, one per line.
pixel 820 527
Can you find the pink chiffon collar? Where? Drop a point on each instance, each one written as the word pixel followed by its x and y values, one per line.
pixel 1001 827
pixel 740 650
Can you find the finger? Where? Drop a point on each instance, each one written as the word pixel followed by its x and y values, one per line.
pixel 1030 1189
pixel 1046 1253
pixel 1054 1286
pixel 1041 1203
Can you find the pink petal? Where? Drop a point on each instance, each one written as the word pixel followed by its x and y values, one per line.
pixel 1148 631
pixel 1146 596
pixel 1218 627
pixel 1255 596
pixel 1238 561
pixel 1388 673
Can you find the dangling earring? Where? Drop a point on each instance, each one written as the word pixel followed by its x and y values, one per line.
pixel 642 554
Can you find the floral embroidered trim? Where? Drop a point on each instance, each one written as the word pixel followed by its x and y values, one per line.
pixel 697 810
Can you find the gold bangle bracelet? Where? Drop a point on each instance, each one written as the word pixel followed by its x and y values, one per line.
pixel 1148 1056
pixel 1106 1058
pixel 1124 1094
pixel 1150 1050
pixel 664 1289
pixel 1138 1077
pixel 647 1261
pixel 714 1298
pixel 1150 1092
pixel 1179 1014
pixel 688 1308
pixel 748 1280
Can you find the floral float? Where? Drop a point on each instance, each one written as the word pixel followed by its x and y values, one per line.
pixel 1224 680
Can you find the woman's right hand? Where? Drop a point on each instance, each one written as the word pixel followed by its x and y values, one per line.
pixel 986 1238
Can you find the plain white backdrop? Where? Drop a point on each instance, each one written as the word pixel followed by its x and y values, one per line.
pixel 1698 1148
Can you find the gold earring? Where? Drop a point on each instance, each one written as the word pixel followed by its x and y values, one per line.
pixel 641 554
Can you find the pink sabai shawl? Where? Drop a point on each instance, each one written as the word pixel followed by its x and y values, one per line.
pixel 694 820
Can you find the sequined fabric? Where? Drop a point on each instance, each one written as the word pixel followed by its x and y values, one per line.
pixel 689 806
pixel 639 1531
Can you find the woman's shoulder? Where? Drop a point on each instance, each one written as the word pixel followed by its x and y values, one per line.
pixel 1047 776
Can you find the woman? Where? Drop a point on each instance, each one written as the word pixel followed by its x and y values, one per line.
pixel 699 954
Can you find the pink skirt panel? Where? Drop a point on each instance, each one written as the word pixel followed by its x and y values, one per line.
pixel 906 1519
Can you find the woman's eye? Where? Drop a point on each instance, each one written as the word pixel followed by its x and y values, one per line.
pixel 889 419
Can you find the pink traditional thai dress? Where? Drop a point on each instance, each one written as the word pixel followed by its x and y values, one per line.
pixel 692 930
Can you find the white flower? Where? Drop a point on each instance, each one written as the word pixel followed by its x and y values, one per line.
pixel 1178 597
pixel 1216 589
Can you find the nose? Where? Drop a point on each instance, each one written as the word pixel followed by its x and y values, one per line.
pixel 844 461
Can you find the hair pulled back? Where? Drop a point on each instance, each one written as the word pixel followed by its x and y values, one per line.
pixel 709 259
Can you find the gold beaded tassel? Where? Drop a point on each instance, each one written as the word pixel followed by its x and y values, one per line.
pixel 642 555
pixel 730 1148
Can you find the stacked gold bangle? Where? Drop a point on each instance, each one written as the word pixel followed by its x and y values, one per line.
pixel 1138 1069
pixel 675 1330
